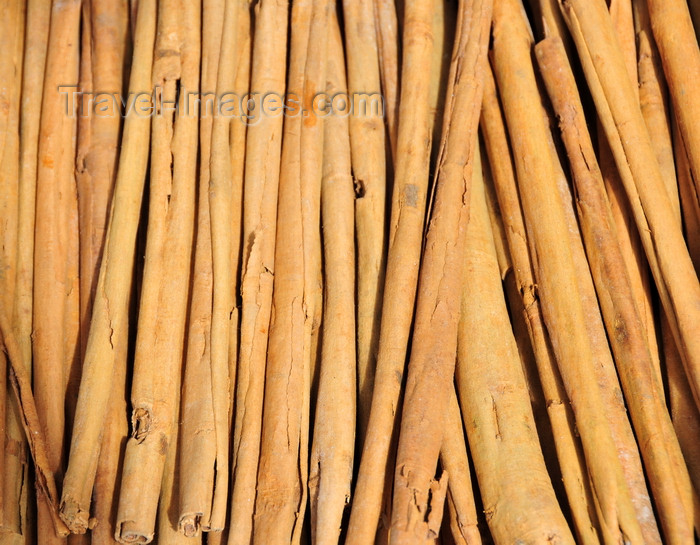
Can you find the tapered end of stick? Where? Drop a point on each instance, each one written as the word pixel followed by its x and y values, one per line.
pixel 76 518
pixel 190 525
pixel 128 533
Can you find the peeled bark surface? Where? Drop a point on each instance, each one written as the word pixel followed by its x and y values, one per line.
pixel 331 464
pixel 161 327
pixel 109 324
pixel 368 146
pixel 555 271
pixel 621 117
pixel 664 461
pixel 405 234
pixel 261 181
pixel 495 402
pixel 431 366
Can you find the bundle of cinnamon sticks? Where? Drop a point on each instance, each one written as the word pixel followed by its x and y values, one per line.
pixel 284 272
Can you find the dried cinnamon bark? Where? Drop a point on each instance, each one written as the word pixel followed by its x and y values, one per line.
pixel 330 475
pixel 556 270
pixel 163 306
pixel 368 146
pixel 567 444
pixel 282 472
pixel 12 470
pixel 260 191
pixel 495 402
pixel 197 442
pixel 105 351
pixel 56 289
pixel 460 492
pixel 405 236
pixel 388 37
pixel 662 238
pixel 678 48
pixel 431 366
pixel 664 461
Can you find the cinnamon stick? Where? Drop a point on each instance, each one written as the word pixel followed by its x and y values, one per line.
pixel 260 192
pixel 665 467
pixel 368 147
pixel 163 305
pixel 431 366
pixel 566 441
pixel 331 464
pixel 405 235
pixel 494 400
pixel 556 273
pixel 624 125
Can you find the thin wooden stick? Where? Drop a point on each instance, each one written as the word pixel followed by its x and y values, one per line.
pixel 221 210
pixel 13 29
pixel 198 435
pixel 662 238
pixel 431 367
pixel 628 235
pixel 604 368
pixel 556 272
pixel 28 412
pixel 665 467
pixel 567 443
pixel 678 47
pixel 55 252
pixel 388 36
pixel 495 402
pixel 330 475
pixel 260 189
pixel 368 146
pixel 460 492
pixel 406 227
pixel 15 470
pixel 163 306
pixel 109 323
pixel 282 472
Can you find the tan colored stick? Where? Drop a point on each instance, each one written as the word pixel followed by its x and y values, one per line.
pixel 662 238
pixel 12 41
pixel 237 144
pixel 311 173
pixel 55 252
pixel 197 447
pixel 168 530
pixel 21 384
pixel 684 412
pixel 664 461
pixel 16 477
pixel 555 269
pixel 104 45
pixel 628 235
pixel 108 329
pixel 388 36
pixel 368 146
pixel 495 402
pixel 105 28
pixel 221 210
pixel 431 367
pixel 283 467
pixel 260 189
pixel 460 492
pixel 690 201
pixel 567 444
pixel 163 305
pixel 604 368
pixel 678 47
pixel 405 236
pixel 331 464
